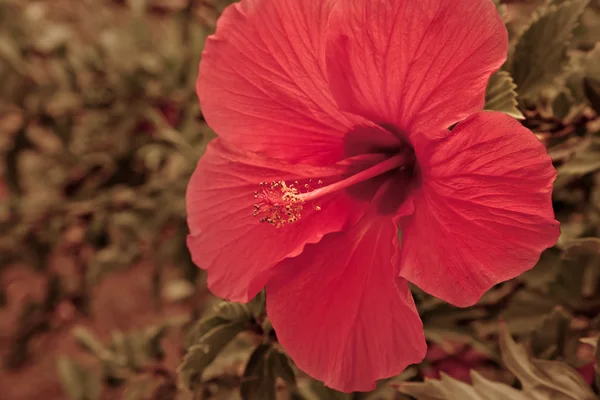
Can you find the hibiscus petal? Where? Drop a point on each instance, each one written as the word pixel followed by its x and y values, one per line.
pixel 340 312
pixel 262 83
pixel 483 213
pixel 420 65
pixel 229 242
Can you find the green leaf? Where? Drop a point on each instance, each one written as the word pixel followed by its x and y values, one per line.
pixel 545 271
pixel 585 161
pixel 10 53
pixel 548 339
pixel 429 390
pixel 90 342
pixel 258 381
pixel 572 84
pixel 592 92
pixel 130 348
pixel 124 352
pixel 582 246
pixel 152 341
pixel 233 311
pixel 561 105
pixel 542 379
pixel 205 350
pixel 501 95
pixel 257 305
pixel 202 327
pixel 280 363
pixel 224 312
pixel 267 326
pixel 566 378
pixel 450 389
pixel 77 383
pixel 455 389
pixel 440 336
pixel 70 375
pixel 525 309
pixel 516 359
pixel 495 390
pixel 568 287
pixel 592 78
pixel 541 52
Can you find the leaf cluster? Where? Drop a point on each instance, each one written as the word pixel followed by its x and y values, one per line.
pixel 99 133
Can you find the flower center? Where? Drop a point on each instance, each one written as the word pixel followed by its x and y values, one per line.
pixel 279 203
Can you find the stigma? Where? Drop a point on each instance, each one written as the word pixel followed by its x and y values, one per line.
pixel 280 204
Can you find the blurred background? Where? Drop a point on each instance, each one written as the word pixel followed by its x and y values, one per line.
pixel 100 130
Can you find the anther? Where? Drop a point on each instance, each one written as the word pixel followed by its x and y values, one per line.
pixel 279 203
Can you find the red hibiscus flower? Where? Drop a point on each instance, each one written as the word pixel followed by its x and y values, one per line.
pixel 333 120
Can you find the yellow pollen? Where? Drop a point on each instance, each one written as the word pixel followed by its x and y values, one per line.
pixel 278 203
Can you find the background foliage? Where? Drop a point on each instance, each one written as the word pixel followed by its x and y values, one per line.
pixel 99 132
